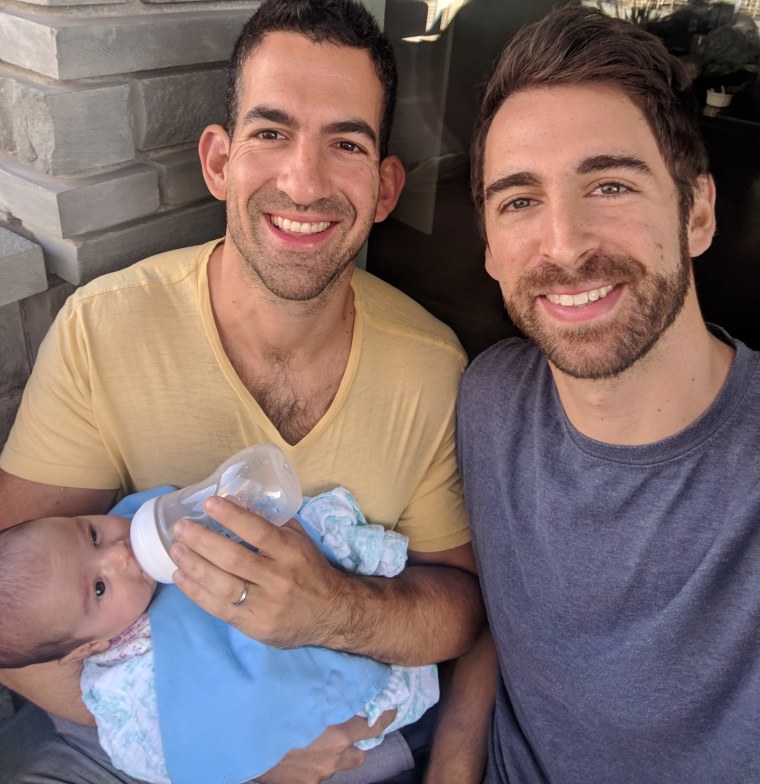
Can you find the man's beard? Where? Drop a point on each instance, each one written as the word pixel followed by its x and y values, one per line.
pixel 292 275
pixel 603 350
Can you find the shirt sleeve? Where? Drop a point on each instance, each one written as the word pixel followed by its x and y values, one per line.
pixel 55 438
pixel 436 518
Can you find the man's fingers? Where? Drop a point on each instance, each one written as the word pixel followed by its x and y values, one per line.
pixel 214 547
pixel 351 758
pixel 382 724
pixel 250 527
pixel 207 556
pixel 357 727
pixel 215 582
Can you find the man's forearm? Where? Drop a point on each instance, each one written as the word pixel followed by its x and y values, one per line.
pixel 25 500
pixel 426 614
pixel 460 743
pixel 51 686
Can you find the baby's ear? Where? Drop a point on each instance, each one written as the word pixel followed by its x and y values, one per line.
pixel 84 650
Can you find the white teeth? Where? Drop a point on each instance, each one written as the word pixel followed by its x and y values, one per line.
pixel 578 300
pixel 298 227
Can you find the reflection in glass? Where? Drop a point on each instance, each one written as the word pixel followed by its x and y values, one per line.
pixel 431 247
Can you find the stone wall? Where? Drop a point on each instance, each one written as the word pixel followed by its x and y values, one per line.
pixel 101 106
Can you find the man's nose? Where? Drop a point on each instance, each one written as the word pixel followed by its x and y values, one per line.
pixel 304 174
pixel 568 235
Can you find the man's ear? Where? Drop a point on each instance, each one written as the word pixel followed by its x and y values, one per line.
pixel 84 650
pixel 213 149
pixel 392 179
pixel 702 219
pixel 491 268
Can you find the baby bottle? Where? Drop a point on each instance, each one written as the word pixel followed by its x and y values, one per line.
pixel 259 478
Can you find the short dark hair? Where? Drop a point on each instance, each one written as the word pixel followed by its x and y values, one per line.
pixel 575 45
pixel 341 22
pixel 24 571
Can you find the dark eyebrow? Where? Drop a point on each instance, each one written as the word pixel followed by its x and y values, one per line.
pixel 599 163
pixel 596 163
pixel 269 114
pixel 516 180
pixel 352 126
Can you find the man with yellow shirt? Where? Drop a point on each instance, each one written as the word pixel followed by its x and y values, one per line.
pixel 157 373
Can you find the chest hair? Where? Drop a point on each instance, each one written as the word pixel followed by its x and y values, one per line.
pixel 293 401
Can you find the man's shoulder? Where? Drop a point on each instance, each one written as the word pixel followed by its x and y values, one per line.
pixel 395 314
pixel 150 274
pixel 513 357
pixel 508 375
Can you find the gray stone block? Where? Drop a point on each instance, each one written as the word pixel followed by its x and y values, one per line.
pixel 171 109
pixel 180 177
pixel 14 361
pixel 9 404
pixel 38 312
pixel 73 206
pixel 22 267
pixel 6 114
pixel 64 129
pixel 58 3
pixel 26 42
pixel 81 259
pixel 74 47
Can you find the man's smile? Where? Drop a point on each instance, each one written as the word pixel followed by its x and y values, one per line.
pixel 298 227
pixel 579 300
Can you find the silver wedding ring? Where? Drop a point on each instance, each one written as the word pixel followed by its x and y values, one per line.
pixel 242 595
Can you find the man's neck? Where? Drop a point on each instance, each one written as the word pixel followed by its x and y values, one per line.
pixel 291 356
pixel 247 314
pixel 659 395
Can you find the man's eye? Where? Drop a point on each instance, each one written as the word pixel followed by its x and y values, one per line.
pixel 100 589
pixel 611 189
pixel 350 147
pixel 268 135
pixel 517 204
pixel 93 535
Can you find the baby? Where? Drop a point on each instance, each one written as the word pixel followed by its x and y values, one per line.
pixel 71 589
pixel 67 587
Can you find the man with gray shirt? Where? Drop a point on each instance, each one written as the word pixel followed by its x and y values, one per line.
pixel 611 462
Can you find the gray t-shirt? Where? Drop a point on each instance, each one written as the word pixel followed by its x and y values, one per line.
pixel 622 583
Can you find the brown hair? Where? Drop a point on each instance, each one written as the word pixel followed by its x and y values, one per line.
pixel 24 575
pixel 575 45
pixel 340 22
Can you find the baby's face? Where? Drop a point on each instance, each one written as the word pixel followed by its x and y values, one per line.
pixel 97 588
